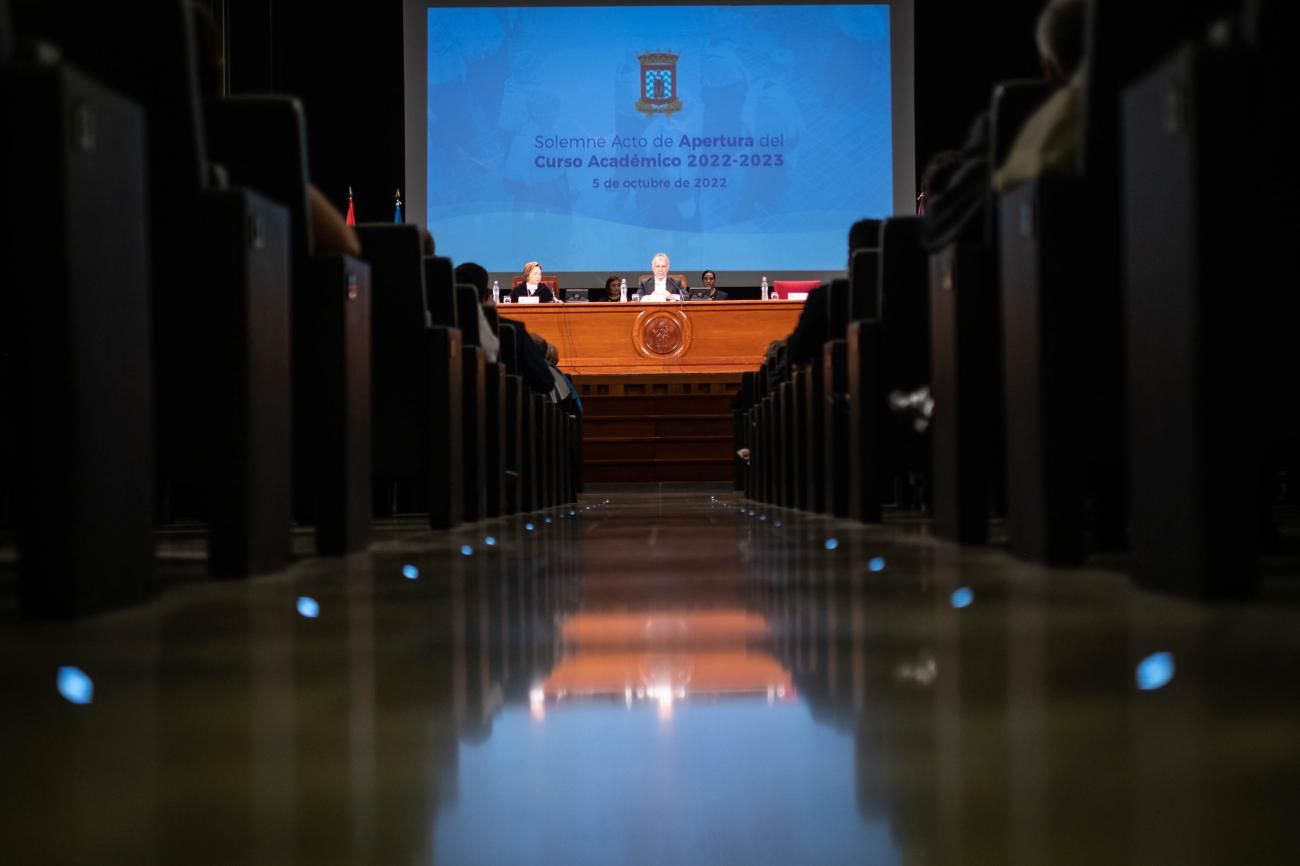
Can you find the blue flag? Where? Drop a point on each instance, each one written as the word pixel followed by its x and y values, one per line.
pixel 397 211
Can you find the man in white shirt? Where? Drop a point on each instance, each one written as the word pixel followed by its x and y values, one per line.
pixel 660 287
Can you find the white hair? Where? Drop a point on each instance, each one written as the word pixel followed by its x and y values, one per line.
pixel 658 256
pixel 1060 34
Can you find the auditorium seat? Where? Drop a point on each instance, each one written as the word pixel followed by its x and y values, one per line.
pixel 220 294
pixel 1045 375
pixel 534 451
pixel 966 372
pixel 1060 275
pixel 836 428
pixel 864 383
pixel 262 143
pixel 889 352
pixel 863 303
pixel 494 413
pixel 1193 354
pixel 799 443
pixel 757 489
pixel 473 414
pixel 964 387
pixel 74 340
pixel 8 424
pixel 814 455
pixel 741 405
pixel 445 498
pixel 1063 259
pixel 416 378
pixel 512 421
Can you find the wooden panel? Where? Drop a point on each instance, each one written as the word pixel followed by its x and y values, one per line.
pixel 652 406
pixel 601 428
pixel 626 385
pixel 664 427
pixel 651 471
pixel 701 447
pixel 699 337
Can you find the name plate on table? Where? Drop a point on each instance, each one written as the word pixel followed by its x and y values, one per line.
pixel 796 296
pixel 529 299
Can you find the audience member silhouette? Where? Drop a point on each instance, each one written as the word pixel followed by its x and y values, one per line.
pixel 959 209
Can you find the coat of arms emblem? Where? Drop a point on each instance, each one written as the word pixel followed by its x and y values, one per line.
pixel 658 83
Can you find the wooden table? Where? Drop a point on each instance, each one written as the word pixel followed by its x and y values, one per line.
pixel 691 337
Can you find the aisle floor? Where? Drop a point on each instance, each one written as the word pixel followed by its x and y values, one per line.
pixel 655 676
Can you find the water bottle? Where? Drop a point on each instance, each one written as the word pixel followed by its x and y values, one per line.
pixel 496 292
pixel 622 290
pixel 763 289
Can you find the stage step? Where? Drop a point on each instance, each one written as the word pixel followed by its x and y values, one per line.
pixel 672 427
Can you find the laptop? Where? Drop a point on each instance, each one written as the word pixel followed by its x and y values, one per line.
pixel 576 296
pixel 697 295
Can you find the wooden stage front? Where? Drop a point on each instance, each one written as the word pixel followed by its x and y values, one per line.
pixel 657 380
pixel 693 337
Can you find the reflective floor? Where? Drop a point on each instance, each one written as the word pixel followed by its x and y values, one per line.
pixel 656 678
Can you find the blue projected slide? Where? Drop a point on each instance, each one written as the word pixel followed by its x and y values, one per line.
pixel 733 137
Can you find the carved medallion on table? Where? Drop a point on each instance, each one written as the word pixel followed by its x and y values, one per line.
pixel 661 334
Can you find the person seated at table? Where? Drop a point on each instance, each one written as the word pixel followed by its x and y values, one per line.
pixel 612 287
pixel 709 279
pixel 660 287
pixel 532 286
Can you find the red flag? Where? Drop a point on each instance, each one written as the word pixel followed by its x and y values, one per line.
pixel 352 213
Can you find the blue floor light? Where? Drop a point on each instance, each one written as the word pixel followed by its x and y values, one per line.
pixel 75 686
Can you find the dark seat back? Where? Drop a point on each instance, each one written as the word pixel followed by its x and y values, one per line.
pixel 864 235
pixel 440 292
pixel 149 56
pixel 839 308
pixel 509 349
pixel 399 353
pixel 905 303
pixel 76 427
pixel 396 256
pixel 467 313
pixel 262 141
pixel 6 33
pixel 864 285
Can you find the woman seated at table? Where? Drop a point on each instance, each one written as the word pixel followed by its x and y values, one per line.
pixel 612 286
pixel 708 278
pixel 532 285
